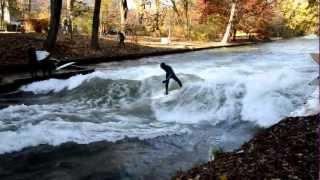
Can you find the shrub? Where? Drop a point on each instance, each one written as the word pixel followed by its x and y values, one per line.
pixel 37 25
pixel 216 151
pixel 210 30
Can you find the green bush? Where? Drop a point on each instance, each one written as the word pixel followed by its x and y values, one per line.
pixel 210 30
pixel 216 151
pixel 84 23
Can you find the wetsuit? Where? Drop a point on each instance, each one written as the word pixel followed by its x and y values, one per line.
pixel 121 39
pixel 169 74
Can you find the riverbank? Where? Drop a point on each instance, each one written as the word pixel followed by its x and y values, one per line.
pixel 286 150
pixel 13 57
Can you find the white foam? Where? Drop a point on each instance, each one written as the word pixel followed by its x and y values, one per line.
pixel 195 103
pixel 311 36
pixel 57 85
pixel 311 107
pixel 264 98
pixel 268 96
pixel 263 89
pixel 58 132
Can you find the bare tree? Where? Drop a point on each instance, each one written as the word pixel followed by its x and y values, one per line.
pixel 157 14
pixel 141 9
pixel 2 6
pixel 186 7
pixel 230 23
pixel 123 14
pixel 70 4
pixel 55 9
pixel 95 25
pixel 175 9
pixel 29 7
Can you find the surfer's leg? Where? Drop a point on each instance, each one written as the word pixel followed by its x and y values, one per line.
pixel 50 68
pixel 178 80
pixel 167 86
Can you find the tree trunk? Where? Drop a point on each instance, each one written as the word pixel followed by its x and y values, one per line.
pixel 55 9
pixel 7 15
pixel 186 15
pixel 29 8
pixel 95 25
pixel 70 4
pixel 175 9
pixel 68 8
pixel 141 11
pixel 228 29
pixel 158 14
pixel 2 3
pixel 123 14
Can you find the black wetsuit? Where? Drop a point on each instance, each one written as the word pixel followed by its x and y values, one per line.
pixel 169 74
pixel 34 65
pixel 121 37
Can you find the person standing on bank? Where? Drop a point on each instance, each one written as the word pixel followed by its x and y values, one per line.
pixel 121 38
pixel 169 74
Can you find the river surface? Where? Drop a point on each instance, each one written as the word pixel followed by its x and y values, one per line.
pixel 228 94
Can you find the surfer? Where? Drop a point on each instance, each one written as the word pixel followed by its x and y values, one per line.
pixel 39 60
pixel 169 74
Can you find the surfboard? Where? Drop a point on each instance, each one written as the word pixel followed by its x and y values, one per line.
pixel 65 65
pixel 41 55
pixel 315 57
pixel 162 97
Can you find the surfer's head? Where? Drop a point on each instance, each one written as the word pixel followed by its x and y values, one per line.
pixel 162 65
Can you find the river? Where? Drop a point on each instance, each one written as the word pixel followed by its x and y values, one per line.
pixel 228 94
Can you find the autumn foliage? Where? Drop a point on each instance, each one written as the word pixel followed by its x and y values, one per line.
pixel 251 15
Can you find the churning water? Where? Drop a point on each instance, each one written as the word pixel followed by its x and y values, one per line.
pixel 222 89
